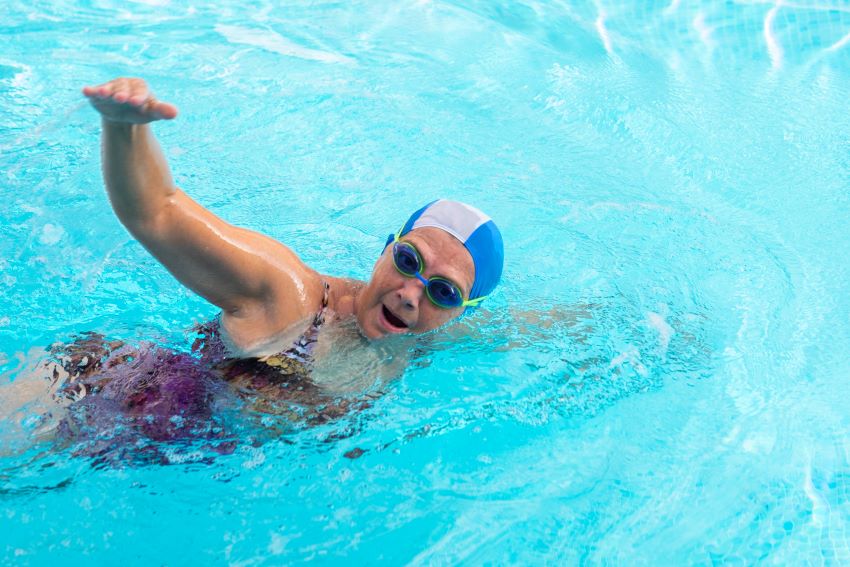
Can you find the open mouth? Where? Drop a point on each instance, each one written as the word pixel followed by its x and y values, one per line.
pixel 392 319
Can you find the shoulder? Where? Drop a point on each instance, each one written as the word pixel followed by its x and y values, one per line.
pixel 287 307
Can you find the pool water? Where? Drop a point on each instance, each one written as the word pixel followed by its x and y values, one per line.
pixel 672 185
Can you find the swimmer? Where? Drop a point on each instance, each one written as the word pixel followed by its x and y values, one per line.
pixel 447 257
pixel 280 320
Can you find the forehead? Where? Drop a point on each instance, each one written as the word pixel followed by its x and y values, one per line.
pixel 444 255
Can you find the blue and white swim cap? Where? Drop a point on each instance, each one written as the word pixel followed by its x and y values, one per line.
pixel 475 230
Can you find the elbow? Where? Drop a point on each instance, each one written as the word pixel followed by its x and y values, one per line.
pixel 151 223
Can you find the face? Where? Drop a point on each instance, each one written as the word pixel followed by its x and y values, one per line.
pixel 393 304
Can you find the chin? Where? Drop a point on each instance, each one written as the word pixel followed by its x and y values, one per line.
pixel 371 332
pixel 373 336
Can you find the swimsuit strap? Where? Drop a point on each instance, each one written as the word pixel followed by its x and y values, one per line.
pixel 302 348
pixel 320 316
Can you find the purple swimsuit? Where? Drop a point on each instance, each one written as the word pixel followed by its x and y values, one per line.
pixel 129 398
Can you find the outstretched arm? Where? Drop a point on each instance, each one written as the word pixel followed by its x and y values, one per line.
pixel 243 272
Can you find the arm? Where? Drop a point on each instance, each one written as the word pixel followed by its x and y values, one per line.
pixel 247 274
pixel 518 327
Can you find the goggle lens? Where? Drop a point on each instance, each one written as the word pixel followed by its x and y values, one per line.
pixel 406 259
pixel 442 292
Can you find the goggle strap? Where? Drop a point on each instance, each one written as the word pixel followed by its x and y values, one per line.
pixel 473 302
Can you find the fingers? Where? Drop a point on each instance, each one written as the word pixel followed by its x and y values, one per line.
pixel 128 99
pixel 137 99
pixel 165 111
pixel 159 110
pixel 122 90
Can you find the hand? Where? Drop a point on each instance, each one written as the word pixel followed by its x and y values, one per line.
pixel 128 101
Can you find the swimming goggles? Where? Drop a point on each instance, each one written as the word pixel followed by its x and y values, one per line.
pixel 442 292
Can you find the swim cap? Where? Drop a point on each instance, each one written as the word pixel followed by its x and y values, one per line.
pixel 475 230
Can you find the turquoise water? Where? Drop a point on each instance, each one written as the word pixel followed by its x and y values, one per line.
pixel 672 183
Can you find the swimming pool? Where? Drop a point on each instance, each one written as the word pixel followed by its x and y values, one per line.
pixel 672 187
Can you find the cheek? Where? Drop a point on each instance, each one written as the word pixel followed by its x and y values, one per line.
pixel 384 276
pixel 372 296
pixel 386 281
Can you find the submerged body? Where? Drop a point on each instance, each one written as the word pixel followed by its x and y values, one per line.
pixel 121 400
pixel 159 384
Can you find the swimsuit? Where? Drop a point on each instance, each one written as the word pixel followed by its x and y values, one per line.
pixel 294 360
pixel 127 397
pixel 283 377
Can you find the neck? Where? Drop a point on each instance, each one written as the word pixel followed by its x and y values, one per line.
pixel 343 295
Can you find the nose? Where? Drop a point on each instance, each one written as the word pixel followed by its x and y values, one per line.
pixel 410 293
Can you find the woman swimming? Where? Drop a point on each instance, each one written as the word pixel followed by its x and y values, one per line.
pixel 279 318
pixel 447 256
